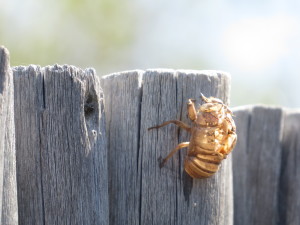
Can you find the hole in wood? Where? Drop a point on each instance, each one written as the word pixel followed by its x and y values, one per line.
pixel 90 105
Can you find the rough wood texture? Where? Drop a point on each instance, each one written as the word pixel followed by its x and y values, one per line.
pixel 139 191
pixel 265 171
pixel 289 195
pixel 61 146
pixel 8 186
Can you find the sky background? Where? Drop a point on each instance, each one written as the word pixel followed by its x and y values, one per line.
pixel 257 42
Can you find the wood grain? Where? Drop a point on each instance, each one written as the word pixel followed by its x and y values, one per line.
pixel 265 170
pixel 122 93
pixel 8 186
pixel 139 191
pixel 289 180
pixel 61 146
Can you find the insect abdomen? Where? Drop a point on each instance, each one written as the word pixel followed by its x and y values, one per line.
pixel 202 166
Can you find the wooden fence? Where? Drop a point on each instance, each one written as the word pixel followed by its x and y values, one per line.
pixel 75 149
pixel 266 167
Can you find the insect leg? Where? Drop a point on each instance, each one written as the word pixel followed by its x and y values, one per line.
pixel 191 110
pixel 229 144
pixel 204 98
pixel 176 122
pixel 178 147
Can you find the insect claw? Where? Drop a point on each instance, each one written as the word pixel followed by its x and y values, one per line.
pixel 162 162
pixel 204 98
pixel 161 165
pixel 155 127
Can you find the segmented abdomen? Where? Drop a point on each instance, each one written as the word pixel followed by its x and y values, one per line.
pixel 202 165
pixel 204 155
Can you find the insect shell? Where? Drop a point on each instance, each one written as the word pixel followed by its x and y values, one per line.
pixel 213 136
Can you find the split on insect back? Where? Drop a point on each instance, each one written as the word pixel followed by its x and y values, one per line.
pixel 213 136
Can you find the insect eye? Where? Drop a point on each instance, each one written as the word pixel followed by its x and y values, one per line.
pixel 206 107
pixel 217 107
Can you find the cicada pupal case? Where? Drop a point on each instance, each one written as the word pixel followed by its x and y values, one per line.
pixel 212 137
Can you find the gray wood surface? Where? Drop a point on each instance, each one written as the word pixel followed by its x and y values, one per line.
pixel 265 171
pixel 139 191
pixel 60 145
pixel 289 194
pixel 8 187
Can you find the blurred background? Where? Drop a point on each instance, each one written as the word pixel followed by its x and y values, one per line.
pixel 257 42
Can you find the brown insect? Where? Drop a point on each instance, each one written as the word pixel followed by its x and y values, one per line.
pixel 212 137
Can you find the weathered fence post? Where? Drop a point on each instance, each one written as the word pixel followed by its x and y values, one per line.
pixel 257 165
pixel 289 189
pixel 265 166
pixel 8 186
pixel 139 191
pixel 61 147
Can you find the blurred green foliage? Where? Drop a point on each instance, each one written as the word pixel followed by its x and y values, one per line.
pixel 82 33
pixel 118 35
